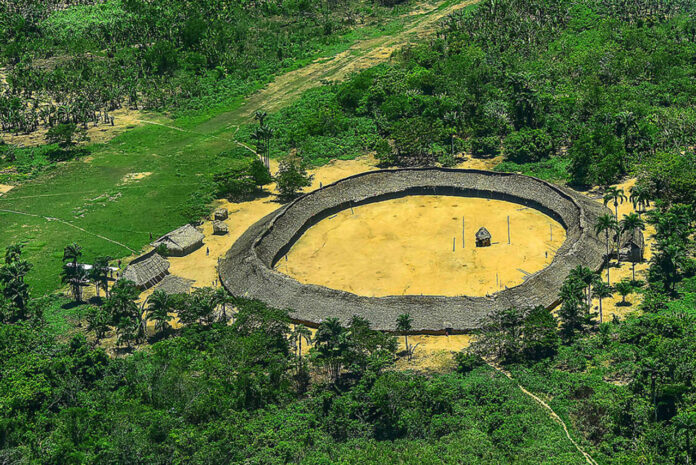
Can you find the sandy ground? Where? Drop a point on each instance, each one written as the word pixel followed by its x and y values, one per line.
pixel 124 119
pixel 431 353
pixel 5 188
pixel 405 246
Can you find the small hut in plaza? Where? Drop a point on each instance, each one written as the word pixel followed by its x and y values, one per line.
pixel 147 270
pixel 483 238
pixel 632 246
pixel 181 241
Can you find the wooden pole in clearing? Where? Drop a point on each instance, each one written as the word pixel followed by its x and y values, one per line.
pixel 508 221
pixel 454 240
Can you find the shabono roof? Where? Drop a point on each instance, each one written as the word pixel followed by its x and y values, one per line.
pixel 483 234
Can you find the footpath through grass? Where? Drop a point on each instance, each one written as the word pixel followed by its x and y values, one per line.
pixel 93 197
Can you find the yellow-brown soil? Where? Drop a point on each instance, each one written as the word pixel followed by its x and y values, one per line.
pixel 124 119
pixel 432 353
pixel 5 188
pixel 405 246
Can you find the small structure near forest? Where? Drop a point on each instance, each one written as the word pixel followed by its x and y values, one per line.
pixel 220 214
pixel 483 238
pixel 220 228
pixel 147 270
pixel 181 241
pixel 632 246
pixel 172 285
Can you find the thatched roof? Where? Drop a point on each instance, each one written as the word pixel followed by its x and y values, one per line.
pixel 147 270
pixel 247 269
pixel 175 285
pixel 483 234
pixel 634 237
pixel 181 241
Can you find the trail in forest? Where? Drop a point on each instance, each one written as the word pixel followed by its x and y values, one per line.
pixel 588 458
pixel 362 55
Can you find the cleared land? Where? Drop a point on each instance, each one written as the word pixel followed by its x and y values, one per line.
pixel 91 195
pixel 405 246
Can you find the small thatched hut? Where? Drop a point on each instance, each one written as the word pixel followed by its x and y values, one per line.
pixel 181 241
pixel 220 214
pixel 172 285
pixel 147 270
pixel 220 228
pixel 483 238
pixel 632 246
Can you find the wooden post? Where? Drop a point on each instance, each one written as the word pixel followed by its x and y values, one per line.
pixel 508 221
pixel 463 237
pixel 454 240
pixel 496 280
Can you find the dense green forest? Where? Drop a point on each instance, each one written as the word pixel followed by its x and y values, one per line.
pixel 245 393
pixel 74 62
pixel 584 92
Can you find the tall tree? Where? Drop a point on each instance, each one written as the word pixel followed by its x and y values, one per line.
pixel 403 325
pixel 631 222
pixel 606 224
pixel 616 196
pixel 600 291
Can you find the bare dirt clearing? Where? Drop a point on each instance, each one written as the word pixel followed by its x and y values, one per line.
pixel 405 246
pixel 124 119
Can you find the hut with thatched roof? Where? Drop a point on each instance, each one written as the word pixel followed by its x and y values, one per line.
pixel 632 246
pixel 147 270
pixel 181 241
pixel 172 285
pixel 483 238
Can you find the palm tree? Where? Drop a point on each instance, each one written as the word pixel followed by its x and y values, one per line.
pixel 403 325
pixel 639 197
pixel 605 224
pixel 159 307
pixel 14 288
pixel 77 278
pixel 686 421
pixel 601 291
pixel 72 253
pixel 615 195
pixel 99 274
pixel 587 276
pixel 624 287
pixel 631 222
pixel 301 332
pixel 222 298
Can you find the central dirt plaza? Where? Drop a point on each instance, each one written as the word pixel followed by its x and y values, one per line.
pixel 424 244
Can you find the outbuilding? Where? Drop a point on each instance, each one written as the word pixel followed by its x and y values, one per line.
pixel 483 238
pixel 147 270
pixel 181 241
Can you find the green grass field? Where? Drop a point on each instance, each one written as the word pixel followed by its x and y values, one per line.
pixel 81 200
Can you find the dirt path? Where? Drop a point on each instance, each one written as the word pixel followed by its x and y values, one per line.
pixel 362 55
pixel 552 414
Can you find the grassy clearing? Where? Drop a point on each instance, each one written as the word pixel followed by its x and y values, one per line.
pixel 90 193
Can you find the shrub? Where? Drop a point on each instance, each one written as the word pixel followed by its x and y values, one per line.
pixel 528 145
pixel 485 147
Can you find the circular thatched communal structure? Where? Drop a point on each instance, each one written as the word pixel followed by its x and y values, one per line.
pixel 247 269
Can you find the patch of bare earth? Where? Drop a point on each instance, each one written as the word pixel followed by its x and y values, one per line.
pixel 124 119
